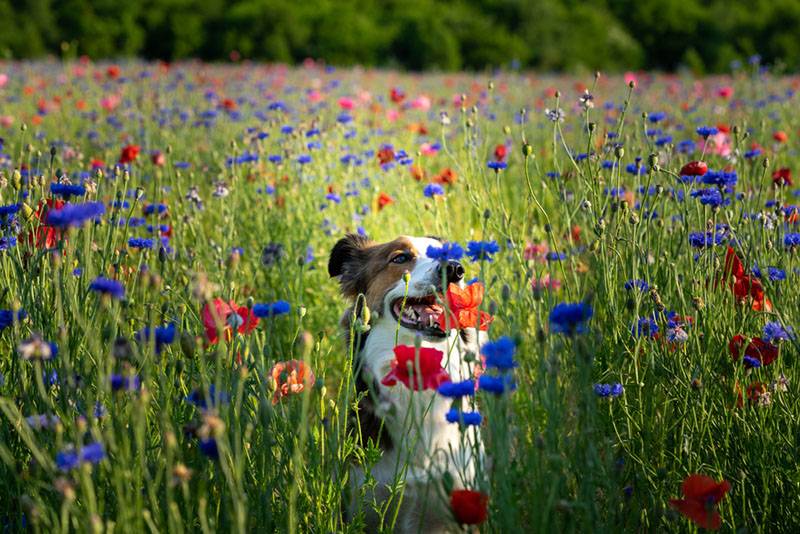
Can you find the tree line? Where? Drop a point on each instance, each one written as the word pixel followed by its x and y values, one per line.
pixel 703 35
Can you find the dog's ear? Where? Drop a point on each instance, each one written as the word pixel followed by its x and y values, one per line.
pixel 347 261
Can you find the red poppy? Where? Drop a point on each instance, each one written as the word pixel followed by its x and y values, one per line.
pixel 113 72
pixel 229 104
pixel 755 391
pixel 749 288
pixel 397 95
pixel 417 172
pixel 782 177
pixel 757 349
pixel 45 236
pixel 780 136
pixel 463 305
pixel 384 200
pixel 500 152
pixel 98 163
pixel 158 159
pixel 733 265
pixel 446 177
pixel 694 168
pixel 290 378
pixel 469 507
pixel 385 155
pixel 229 315
pixel 406 365
pixel 129 153
pixel 701 496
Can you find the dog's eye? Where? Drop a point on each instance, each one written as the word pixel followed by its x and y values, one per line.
pixel 403 257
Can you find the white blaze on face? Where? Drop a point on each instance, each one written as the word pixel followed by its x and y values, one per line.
pixel 423 275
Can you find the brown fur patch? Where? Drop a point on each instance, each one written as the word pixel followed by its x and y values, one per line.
pixel 366 268
pixel 382 274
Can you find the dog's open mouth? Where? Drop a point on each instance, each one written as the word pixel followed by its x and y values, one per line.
pixel 419 313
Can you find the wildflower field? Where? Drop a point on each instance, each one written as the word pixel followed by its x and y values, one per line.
pixel 170 347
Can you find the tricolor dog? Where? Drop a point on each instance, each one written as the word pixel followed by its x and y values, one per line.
pixel 419 445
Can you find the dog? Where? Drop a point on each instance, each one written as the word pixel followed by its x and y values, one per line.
pixel 402 287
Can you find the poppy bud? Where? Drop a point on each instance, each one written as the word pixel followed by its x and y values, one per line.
pixel 507 130
pixel 487 213
pixel 592 126
pixel 506 292
pixel 527 149
pixel 652 160
pixel 619 152
pixel 16 180
pixel 557 94
pixel 491 85
pixel 765 163
pixel 23 127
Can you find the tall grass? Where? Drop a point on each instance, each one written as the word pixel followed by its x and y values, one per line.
pixel 561 457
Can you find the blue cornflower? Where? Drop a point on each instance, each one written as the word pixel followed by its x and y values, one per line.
pixel 707 131
pixel 455 415
pixel 7 242
pixel 482 250
pixel 208 446
pixel 497 384
pixel 497 166
pixel 163 335
pixel 455 390
pixel 432 190
pixel 7 317
pixel 106 286
pixel 555 256
pixel 570 318
pixel 69 459
pixel 751 362
pixel 35 348
pixel 10 209
pixel 138 242
pixel 125 383
pixel 334 197
pixel 303 159
pixel 705 239
pixel 720 178
pixel 644 327
pixel 275 158
pixel 750 154
pixel 657 116
pixel 272 309
pixel 197 398
pixel 709 197
pixel 774 331
pixel 75 214
pixel 448 251
pixel 637 283
pixel 151 209
pixel 632 168
pixel 500 353
pixel 775 274
pixel 608 390
pixel 67 190
pixel 791 240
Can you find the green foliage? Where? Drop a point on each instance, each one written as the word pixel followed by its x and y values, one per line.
pixel 414 34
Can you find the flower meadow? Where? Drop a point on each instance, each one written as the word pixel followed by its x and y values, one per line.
pixel 172 358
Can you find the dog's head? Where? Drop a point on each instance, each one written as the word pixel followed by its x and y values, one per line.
pixel 377 271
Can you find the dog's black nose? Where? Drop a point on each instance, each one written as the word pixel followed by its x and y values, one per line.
pixel 455 272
